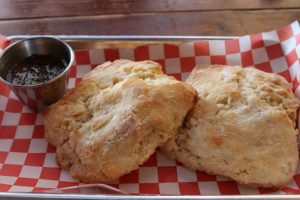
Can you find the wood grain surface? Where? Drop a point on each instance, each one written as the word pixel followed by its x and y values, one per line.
pixel 145 17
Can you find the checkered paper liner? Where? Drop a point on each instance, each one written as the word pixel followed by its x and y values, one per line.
pixel 27 161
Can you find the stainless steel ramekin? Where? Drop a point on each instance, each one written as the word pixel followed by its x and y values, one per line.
pixel 38 96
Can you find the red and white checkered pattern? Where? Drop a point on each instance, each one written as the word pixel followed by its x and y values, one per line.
pixel 27 161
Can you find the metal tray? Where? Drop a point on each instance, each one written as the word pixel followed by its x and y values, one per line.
pixel 102 41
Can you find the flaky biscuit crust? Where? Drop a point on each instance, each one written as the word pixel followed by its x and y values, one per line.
pixel 115 118
pixel 242 126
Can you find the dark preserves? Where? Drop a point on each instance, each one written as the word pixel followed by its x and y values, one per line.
pixel 35 69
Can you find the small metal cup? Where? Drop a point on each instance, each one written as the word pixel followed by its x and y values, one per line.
pixel 38 96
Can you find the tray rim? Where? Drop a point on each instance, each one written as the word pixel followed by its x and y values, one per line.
pixel 82 38
pixel 125 37
pixel 42 196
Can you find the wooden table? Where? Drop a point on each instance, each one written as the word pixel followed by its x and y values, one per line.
pixel 145 17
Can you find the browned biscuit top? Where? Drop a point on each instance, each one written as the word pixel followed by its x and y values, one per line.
pixel 242 126
pixel 115 118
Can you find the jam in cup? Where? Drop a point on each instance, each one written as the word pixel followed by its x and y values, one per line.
pixel 36 70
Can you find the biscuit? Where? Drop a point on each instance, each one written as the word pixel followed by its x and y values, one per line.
pixel 115 118
pixel 242 127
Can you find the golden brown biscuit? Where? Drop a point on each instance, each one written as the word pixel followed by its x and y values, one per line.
pixel 115 118
pixel 242 127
